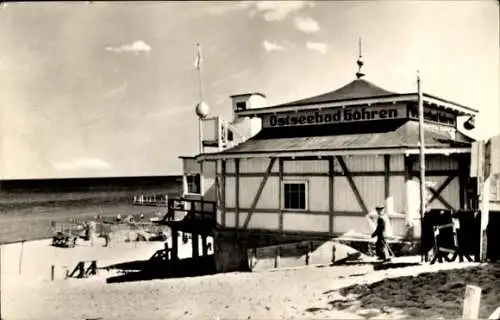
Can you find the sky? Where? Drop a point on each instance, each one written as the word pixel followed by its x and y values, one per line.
pixel 109 88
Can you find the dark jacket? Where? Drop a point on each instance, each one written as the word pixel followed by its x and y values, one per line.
pixel 380 231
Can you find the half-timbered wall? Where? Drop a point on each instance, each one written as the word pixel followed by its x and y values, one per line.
pixel 341 192
pixel 442 181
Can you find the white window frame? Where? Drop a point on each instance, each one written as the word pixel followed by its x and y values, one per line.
pixel 186 183
pixel 306 194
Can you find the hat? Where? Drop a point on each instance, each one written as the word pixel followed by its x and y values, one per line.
pixel 379 208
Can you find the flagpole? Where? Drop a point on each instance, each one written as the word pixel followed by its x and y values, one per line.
pixel 200 87
pixel 422 156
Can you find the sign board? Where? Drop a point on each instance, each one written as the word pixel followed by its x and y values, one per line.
pixel 433 115
pixel 334 115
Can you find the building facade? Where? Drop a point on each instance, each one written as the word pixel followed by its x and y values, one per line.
pixel 318 167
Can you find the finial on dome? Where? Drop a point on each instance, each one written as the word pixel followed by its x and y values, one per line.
pixel 360 62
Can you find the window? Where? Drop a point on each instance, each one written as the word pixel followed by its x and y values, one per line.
pixel 240 106
pixel 295 195
pixel 193 183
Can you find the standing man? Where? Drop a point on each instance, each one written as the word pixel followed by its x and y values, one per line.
pixel 380 233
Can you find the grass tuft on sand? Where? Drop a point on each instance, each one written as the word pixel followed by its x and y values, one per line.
pixel 426 295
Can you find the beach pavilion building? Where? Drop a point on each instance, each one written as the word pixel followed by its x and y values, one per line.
pixel 318 167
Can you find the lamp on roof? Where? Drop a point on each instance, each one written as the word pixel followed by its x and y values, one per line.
pixel 470 124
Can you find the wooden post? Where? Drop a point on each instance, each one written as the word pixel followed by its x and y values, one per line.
pixel 52 273
pixel 277 257
pixel 175 244
pixel 484 205
pixel 204 245
pixel 237 192
pixel 331 192
pixel 195 244
pixel 471 302
pixel 21 257
pixel 421 140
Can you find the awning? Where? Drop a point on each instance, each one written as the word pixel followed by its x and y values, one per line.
pixel 398 137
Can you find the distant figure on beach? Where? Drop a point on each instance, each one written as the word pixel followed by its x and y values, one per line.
pixel 141 216
pixel 119 218
pixel 107 235
pixel 91 229
pixel 380 232
pixel 170 215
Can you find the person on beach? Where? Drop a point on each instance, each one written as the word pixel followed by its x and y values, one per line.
pixel 380 232
pixel 92 228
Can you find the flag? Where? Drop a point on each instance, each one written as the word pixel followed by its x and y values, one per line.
pixel 199 58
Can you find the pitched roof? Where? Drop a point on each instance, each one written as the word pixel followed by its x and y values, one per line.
pixel 398 134
pixel 355 89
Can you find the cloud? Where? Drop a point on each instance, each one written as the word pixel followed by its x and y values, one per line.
pixel 306 24
pixel 136 47
pixel 317 46
pixel 275 10
pixel 82 164
pixel 272 46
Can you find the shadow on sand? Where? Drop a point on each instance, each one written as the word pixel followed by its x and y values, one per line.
pixel 141 270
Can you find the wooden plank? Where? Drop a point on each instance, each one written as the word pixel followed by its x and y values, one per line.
pixel 387 170
pixel 237 192
pixel 352 184
pixel 471 302
pixel 462 180
pixel 280 193
pixel 331 190
pixel 259 192
pixel 223 202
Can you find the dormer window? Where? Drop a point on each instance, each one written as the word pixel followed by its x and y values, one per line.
pixel 241 106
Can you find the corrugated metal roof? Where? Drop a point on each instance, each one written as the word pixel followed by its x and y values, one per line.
pixel 356 89
pixel 395 135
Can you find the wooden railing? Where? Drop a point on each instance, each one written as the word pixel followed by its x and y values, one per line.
pixel 204 208
pixel 157 200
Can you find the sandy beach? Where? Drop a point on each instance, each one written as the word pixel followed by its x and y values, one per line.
pixel 308 292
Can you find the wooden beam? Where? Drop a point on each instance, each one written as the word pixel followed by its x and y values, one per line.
pixel 441 188
pixel 223 191
pixel 463 168
pixel 280 192
pixel 408 161
pixel 237 192
pixel 259 192
pixel 308 212
pixel 430 173
pixel 438 196
pixel 352 184
pixel 387 170
pixel 218 197
pixel 331 190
